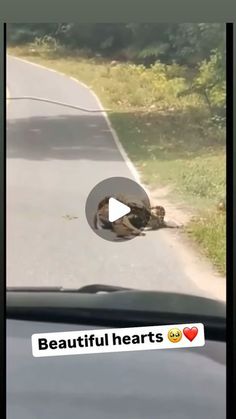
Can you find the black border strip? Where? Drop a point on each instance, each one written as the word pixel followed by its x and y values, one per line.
pixel 229 218
pixel 3 220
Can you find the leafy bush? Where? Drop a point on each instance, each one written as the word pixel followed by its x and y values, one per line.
pixel 22 33
pixel 211 78
pixel 210 84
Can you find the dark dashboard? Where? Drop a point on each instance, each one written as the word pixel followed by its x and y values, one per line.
pixel 165 384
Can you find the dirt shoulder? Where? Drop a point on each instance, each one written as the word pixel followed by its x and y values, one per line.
pixel 196 265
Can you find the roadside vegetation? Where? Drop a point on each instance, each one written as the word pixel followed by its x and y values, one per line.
pixel 165 86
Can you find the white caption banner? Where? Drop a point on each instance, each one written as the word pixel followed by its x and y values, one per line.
pixel 118 340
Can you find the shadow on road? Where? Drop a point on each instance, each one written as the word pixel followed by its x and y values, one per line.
pixel 63 137
pixel 88 137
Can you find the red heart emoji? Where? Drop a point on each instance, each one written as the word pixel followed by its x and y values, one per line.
pixel 190 333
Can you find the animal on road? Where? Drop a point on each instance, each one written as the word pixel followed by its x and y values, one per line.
pixel 141 217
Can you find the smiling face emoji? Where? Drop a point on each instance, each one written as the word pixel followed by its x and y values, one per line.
pixel 174 335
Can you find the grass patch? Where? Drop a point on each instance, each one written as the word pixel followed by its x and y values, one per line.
pixel 171 139
pixel 210 232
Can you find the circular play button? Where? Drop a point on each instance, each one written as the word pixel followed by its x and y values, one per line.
pixel 118 209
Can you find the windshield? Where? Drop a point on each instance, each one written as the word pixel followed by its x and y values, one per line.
pixel 158 152
pixel 116 210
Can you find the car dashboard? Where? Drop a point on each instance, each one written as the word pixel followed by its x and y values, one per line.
pixel 166 384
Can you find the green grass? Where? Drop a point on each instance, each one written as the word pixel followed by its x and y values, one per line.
pixel 170 139
pixel 210 232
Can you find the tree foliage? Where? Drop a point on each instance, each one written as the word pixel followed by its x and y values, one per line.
pixel 198 46
pixel 185 43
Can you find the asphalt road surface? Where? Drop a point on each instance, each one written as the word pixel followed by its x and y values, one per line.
pixel 55 156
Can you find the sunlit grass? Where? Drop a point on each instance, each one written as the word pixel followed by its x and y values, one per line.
pixel 210 232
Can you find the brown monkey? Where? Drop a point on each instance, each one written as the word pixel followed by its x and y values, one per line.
pixel 157 219
pixel 141 216
pixel 124 228
pixel 101 216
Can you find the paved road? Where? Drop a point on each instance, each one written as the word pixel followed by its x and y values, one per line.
pixel 55 156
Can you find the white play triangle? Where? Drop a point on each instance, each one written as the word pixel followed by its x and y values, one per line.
pixel 117 209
